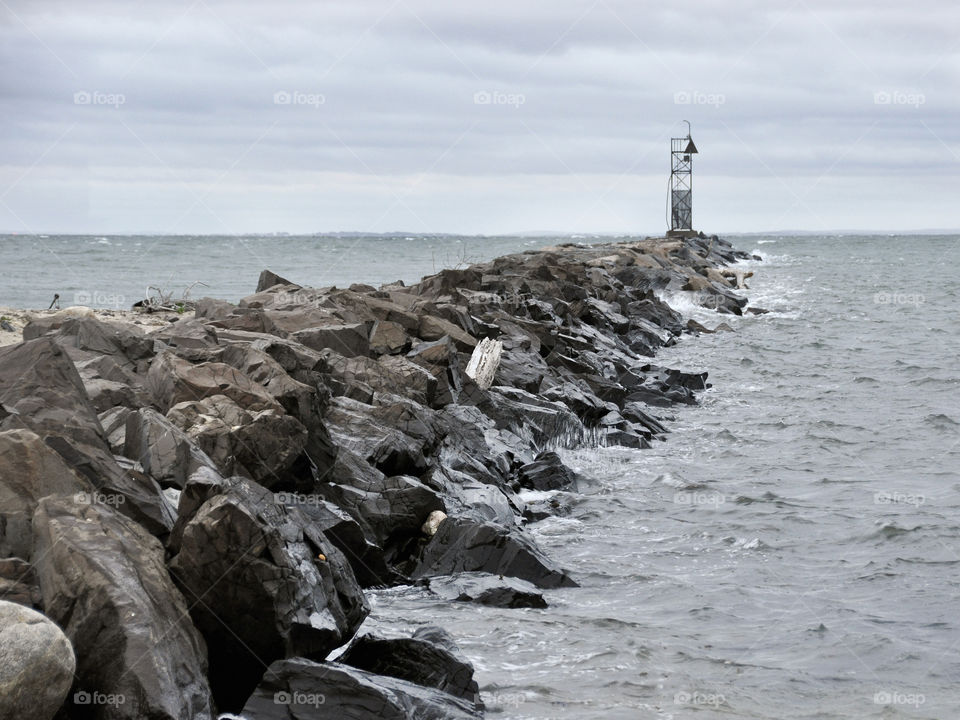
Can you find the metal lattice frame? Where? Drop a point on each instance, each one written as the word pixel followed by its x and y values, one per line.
pixel 681 184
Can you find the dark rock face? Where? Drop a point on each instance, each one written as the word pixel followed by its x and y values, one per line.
pixel 164 451
pixel 547 472
pixel 463 546
pixel 103 580
pixel 29 470
pixel 263 584
pixel 488 590
pixel 43 392
pixel 302 689
pixel 430 658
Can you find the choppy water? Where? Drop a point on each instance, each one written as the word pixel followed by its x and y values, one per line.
pixel 792 551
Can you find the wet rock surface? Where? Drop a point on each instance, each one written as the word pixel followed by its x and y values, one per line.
pixel 198 506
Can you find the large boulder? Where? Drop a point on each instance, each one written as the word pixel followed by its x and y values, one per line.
pixel 165 452
pixel 482 589
pixel 349 339
pixel 430 658
pixel 104 581
pixel 261 445
pixel 173 380
pixel 547 472
pixel 354 427
pixel 464 545
pixel 264 583
pixel 305 690
pixel 36 664
pixel 43 392
pixel 29 471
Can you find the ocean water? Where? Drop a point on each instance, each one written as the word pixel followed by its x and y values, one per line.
pixel 791 551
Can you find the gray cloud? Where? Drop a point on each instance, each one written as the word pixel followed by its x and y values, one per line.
pixel 227 117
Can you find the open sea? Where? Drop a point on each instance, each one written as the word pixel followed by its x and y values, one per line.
pixel 791 551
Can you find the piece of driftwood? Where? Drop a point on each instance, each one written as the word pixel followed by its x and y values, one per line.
pixel 484 362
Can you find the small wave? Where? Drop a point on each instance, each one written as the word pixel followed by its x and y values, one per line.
pixel 941 421
pixel 746 543
pixel 890 532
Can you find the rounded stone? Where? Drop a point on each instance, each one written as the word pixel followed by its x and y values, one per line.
pixel 36 663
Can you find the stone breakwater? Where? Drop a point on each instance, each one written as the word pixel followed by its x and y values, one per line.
pixel 199 506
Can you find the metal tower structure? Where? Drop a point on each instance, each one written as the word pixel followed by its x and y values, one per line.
pixel 682 151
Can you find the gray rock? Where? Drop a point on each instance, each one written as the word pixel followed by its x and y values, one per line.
pixel 504 592
pixel 463 545
pixel 29 470
pixel 165 452
pixel 242 556
pixel 299 688
pixel 104 581
pixel 43 392
pixel 36 664
pixel 430 658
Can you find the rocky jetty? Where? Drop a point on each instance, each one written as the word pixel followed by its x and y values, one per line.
pixel 198 505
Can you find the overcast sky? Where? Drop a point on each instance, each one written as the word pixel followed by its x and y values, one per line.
pixel 200 116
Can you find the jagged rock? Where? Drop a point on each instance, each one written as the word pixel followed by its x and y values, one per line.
pixel 463 545
pixel 365 556
pixel 270 279
pixel 525 413
pixel 29 470
pixel 273 364
pixel 261 445
pixel 348 340
pixel 165 452
pixel 484 589
pixel 430 659
pixel 104 581
pixel 386 448
pixel 172 380
pixel 43 392
pixel 359 378
pixel 388 338
pixel 186 337
pixel 435 328
pixel 441 360
pixel 548 472
pixel 242 556
pixel 587 406
pixel 36 664
pixel 18 583
pixel 308 690
pixel 40 324
pixel 635 412
pixel 389 509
